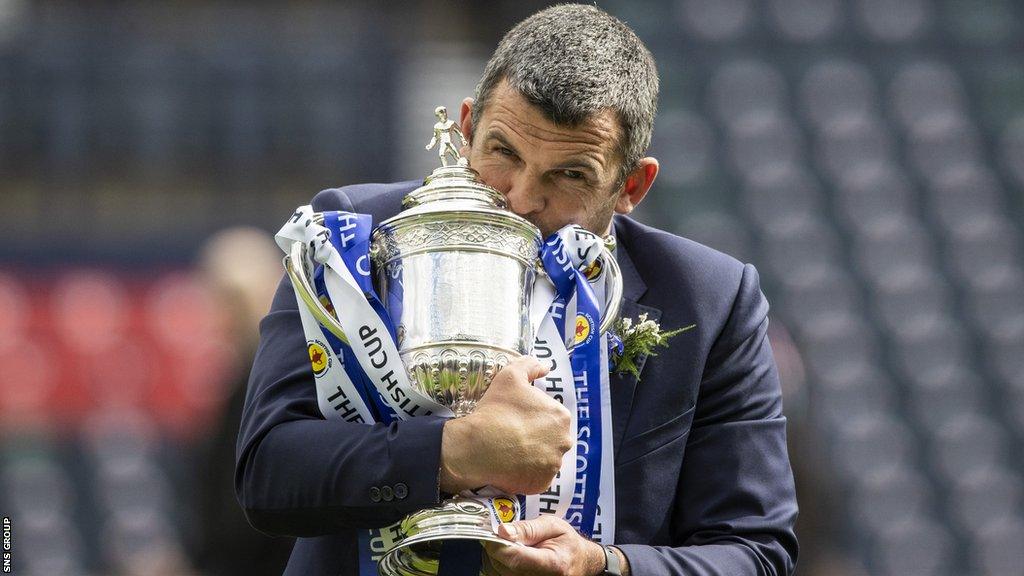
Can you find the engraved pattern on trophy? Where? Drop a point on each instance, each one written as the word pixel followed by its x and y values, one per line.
pixel 443 234
pixel 455 376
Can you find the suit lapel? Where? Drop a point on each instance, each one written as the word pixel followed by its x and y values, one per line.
pixel 623 386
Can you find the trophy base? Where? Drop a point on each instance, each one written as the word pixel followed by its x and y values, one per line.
pixel 419 552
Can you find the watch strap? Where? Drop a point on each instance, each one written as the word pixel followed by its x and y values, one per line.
pixel 611 562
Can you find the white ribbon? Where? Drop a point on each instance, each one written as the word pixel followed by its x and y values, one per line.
pixel 367 334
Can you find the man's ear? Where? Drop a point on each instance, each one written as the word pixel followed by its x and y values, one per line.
pixel 638 182
pixel 466 119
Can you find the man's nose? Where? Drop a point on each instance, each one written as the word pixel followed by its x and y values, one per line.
pixel 524 197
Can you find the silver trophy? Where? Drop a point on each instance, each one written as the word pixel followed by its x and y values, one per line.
pixel 455 270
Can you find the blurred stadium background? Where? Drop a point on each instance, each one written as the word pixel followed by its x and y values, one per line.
pixel 866 155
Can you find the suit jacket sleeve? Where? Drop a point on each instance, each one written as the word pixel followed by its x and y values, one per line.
pixel 299 474
pixel 736 502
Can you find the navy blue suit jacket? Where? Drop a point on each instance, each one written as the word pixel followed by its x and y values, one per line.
pixel 703 480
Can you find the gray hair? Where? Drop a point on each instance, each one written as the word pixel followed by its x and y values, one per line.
pixel 572 61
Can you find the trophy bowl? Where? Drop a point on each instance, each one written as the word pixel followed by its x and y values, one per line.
pixel 455 270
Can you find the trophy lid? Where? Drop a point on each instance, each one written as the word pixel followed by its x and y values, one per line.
pixel 454 188
pixel 455 183
pixel 454 210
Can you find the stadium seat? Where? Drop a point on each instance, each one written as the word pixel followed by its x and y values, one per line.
pixel 976 23
pixel 90 310
pixel 984 496
pixel 937 394
pixel 759 140
pixel 890 495
pixel 968 441
pixel 1006 362
pixel 943 141
pixel 180 313
pixel 745 86
pixel 777 194
pixel 716 20
pixel 997 550
pixel 959 195
pixel 997 309
pixel 891 21
pixel 871 442
pixel 818 291
pixel 919 547
pixel 938 341
pixel 48 546
pixel 848 391
pixel 921 89
pixel 125 486
pixel 908 291
pixel 800 244
pixel 121 434
pixel 686 137
pixel 895 244
pixel 982 245
pixel 31 379
pixel 721 231
pixel 1011 150
pixel 804 21
pixel 834 334
pixel 849 142
pixel 15 306
pixel 834 89
pixel 867 195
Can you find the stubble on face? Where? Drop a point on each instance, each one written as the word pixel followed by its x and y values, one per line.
pixel 555 174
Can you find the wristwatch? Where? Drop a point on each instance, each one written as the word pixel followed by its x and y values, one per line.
pixel 611 563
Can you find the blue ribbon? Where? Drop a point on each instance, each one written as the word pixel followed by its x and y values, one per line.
pixel 382 412
pixel 586 369
pixel 350 234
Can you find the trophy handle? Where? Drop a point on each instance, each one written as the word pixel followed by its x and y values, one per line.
pixel 613 288
pixel 294 265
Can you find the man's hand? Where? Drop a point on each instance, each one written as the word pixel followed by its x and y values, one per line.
pixel 514 439
pixel 551 547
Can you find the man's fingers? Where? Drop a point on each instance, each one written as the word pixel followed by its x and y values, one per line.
pixel 490 567
pixel 550 558
pixel 529 367
pixel 530 532
pixel 507 560
pixel 499 560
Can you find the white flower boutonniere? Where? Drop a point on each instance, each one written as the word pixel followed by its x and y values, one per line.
pixel 634 341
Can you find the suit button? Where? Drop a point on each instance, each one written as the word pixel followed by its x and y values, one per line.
pixel 401 491
pixel 375 494
pixel 387 493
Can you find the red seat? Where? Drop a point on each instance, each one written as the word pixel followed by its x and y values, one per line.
pixel 15 306
pixel 89 310
pixel 180 313
pixel 31 374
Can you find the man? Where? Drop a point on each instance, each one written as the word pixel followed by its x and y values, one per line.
pixel 560 121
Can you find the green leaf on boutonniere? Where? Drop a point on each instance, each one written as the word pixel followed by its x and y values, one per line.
pixel 641 339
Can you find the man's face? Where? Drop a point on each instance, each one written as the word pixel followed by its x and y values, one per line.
pixel 552 175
